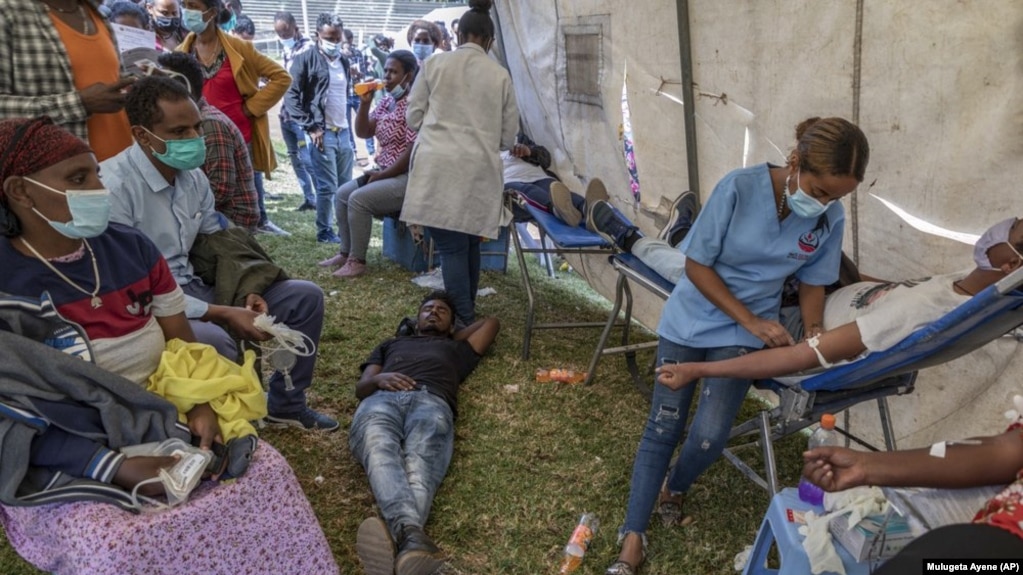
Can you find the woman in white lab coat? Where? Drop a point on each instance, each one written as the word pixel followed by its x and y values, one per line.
pixel 463 106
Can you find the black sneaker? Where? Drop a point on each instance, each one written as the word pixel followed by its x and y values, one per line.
pixel 611 226
pixel 326 238
pixel 680 218
pixel 308 420
pixel 417 553
pixel 305 207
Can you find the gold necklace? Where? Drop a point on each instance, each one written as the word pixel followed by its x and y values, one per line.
pixel 215 54
pixel 95 301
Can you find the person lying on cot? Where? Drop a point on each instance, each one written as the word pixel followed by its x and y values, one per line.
pixel 995 531
pixel 870 316
pixel 527 171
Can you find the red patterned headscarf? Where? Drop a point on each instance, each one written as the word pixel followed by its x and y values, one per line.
pixel 30 145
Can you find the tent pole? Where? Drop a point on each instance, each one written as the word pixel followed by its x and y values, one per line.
pixel 688 94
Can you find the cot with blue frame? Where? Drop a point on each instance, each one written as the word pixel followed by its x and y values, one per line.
pixel 990 314
pixel 563 239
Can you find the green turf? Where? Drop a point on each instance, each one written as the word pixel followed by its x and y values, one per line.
pixel 529 457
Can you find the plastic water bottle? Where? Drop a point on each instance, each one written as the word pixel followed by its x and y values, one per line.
pixel 825 435
pixel 577 544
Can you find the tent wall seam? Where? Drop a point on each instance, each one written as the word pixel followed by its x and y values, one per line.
pixel 854 204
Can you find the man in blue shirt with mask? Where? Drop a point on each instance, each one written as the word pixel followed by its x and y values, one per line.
pixel 157 186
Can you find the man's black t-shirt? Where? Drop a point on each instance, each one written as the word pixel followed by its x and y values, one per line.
pixel 439 363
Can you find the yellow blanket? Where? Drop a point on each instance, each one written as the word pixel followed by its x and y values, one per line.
pixel 194 373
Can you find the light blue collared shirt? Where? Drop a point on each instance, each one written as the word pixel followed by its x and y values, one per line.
pixel 738 235
pixel 171 215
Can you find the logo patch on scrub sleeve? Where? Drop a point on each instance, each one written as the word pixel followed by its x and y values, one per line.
pixel 809 242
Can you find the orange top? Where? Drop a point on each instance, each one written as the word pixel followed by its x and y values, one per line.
pixel 94 59
pixel 828 421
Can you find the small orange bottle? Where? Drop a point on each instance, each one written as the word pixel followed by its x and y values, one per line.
pixel 363 88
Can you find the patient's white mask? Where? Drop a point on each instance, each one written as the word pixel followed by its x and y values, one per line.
pixel 996 234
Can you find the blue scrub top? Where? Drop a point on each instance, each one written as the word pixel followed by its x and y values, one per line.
pixel 738 235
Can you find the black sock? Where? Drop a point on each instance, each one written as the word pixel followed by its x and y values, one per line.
pixel 631 237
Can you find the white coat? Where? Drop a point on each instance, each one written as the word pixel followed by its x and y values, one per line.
pixel 463 105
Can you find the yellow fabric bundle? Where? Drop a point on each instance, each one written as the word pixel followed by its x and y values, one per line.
pixel 194 373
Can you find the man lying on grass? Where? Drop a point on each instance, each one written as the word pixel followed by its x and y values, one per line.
pixel 403 431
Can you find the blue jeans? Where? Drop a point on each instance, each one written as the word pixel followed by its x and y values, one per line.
pixel 298 153
pixel 460 266
pixel 720 400
pixel 257 179
pixel 332 167
pixel 297 304
pixel 539 192
pixel 404 440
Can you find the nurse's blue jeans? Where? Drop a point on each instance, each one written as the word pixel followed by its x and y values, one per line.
pixel 460 265
pixel 333 168
pixel 404 440
pixel 298 153
pixel 719 402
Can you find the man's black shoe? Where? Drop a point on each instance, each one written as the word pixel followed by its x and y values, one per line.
pixel 417 553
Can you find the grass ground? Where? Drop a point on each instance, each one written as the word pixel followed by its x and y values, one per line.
pixel 529 457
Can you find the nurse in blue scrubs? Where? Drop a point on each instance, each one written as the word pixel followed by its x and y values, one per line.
pixel 760 225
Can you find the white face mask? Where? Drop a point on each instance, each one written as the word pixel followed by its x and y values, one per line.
pixel 996 234
pixel 181 478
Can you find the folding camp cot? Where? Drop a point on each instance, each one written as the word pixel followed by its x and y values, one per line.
pixel 564 239
pixel 988 315
pixel 992 313
pixel 630 270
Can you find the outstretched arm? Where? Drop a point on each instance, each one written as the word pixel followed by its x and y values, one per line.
pixel 811 307
pixel 995 461
pixel 843 342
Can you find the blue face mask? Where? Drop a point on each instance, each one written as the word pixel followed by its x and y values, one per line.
pixel 230 24
pixel 331 49
pixel 90 212
pixel 193 21
pixel 187 154
pixel 802 204
pixel 288 43
pixel 397 92
pixel 422 51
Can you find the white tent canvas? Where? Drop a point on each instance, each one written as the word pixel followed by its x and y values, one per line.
pixel 933 85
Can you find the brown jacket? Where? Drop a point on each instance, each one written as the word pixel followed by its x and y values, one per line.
pixel 249 66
